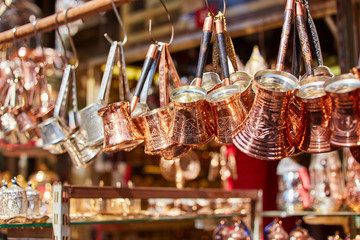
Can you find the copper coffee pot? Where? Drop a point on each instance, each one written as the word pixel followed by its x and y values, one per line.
pixel 313 133
pixel 344 93
pixel 190 124
pixel 264 133
pixel 155 125
pixel 120 132
pixel 226 105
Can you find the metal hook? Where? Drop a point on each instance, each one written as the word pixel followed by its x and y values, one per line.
pixel 121 25
pixel 38 38
pixel 70 39
pixel 171 24
pixel 210 11
pixel 65 60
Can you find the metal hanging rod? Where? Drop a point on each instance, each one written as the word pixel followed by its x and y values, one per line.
pixel 49 23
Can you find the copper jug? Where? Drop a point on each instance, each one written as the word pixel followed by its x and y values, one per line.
pixel 190 123
pixel 26 121
pixel 313 133
pixel 244 81
pixel 264 133
pixel 120 131
pixel 344 92
pixel 155 125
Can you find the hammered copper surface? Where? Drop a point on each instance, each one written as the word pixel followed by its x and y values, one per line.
pixel 264 134
pixel 190 125
pixel 120 132
pixel 155 126
pixel 313 133
pixel 344 92
pixel 228 112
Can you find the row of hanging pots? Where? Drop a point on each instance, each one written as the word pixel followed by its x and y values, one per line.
pixel 317 114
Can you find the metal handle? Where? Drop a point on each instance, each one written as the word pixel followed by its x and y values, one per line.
pixel 61 100
pixel 204 49
pixel 304 39
pixel 174 75
pixel 150 76
pixel 220 38
pixel 150 56
pixel 286 29
pixel 106 79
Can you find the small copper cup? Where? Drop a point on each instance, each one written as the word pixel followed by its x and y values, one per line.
pixel 244 81
pixel 26 121
pixel 190 125
pixel 228 111
pixel 120 132
pixel 344 91
pixel 264 134
pixel 313 132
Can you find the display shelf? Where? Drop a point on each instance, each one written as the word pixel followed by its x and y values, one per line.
pixel 63 194
pixel 26 225
pixel 285 214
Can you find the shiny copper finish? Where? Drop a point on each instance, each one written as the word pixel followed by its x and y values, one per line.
pixel 175 151
pixel 228 112
pixel 344 91
pixel 120 131
pixel 134 102
pixel 43 113
pixel 244 81
pixel 219 26
pixel 190 125
pixel 290 5
pixel 24 118
pixel 313 133
pixel 155 126
pixel 152 51
pixel 208 24
pixel 355 151
pixel 264 134
pixel 299 9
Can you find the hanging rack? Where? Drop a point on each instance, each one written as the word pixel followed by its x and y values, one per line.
pixel 49 23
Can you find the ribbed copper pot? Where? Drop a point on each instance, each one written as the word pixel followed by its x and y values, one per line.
pixel 190 125
pixel 344 91
pixel 264 134
pixel 228 112
pixel 313 132
pixel 244 81
pixel 120 132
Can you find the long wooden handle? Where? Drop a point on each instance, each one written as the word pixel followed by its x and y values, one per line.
pixel 286 29
pixel 150 56
pixel 304 39
pixel 204 49
pixel 220 38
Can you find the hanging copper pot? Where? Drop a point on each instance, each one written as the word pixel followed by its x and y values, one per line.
pixel 26 121
pixel 264 134
pixel 244 81
pixel 313 132
pixel 344 92
pixel 190 123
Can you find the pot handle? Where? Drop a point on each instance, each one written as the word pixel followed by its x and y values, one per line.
pixel 106 79
pixel 62 97
pixel 204 49
pixel 173 72
pixel 220 38
pixel 286 29
pixel 150 76
pixel 150 56
pixel 314 35
pixel 304 39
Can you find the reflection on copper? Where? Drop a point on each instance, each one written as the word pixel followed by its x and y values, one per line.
pixel 190 125
pixel 120 132
pixel 344 91
pixel 313 133
pixel 244 81
pixel 228 112
pixel 264 134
